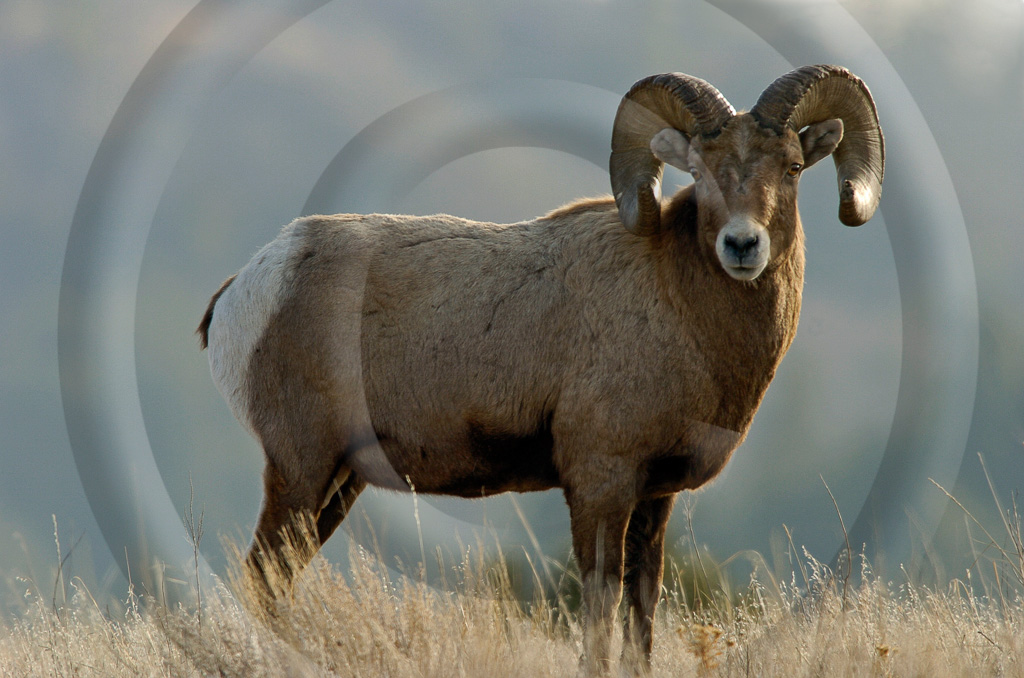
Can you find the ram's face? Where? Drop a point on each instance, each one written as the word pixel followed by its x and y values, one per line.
pixel 745 181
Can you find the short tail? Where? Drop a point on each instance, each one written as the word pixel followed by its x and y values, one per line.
pixel 204 327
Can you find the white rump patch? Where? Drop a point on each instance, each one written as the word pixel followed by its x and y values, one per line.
pixel 241 316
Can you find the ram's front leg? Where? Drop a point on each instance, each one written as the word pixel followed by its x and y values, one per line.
pixel 599 513
pixel 645 566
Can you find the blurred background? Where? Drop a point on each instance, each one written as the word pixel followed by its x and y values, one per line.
pixel 149 149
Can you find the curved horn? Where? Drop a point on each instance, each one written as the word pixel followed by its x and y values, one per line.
pixel 675 100
pixel 814 93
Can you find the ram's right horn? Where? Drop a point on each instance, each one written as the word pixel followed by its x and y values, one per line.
pixel 668 100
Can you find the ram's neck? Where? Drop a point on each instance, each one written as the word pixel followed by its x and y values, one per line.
pixel 744 328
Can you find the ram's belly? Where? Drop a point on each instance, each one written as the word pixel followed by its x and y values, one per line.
pixel 476 466
pixel 458 409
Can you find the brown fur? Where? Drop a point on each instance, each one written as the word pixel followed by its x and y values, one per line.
pixel 471 359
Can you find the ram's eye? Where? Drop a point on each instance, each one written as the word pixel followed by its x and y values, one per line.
pixel 695 173
pixel 794 169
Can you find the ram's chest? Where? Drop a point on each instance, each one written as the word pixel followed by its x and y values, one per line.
pixel 747 340
pixel 712 393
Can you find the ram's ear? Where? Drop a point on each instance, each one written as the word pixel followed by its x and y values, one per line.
pixel 671 147
pixel 820 139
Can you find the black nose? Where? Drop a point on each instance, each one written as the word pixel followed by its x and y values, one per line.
pixel 740 247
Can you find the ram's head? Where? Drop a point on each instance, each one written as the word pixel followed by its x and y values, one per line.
pixel 746 166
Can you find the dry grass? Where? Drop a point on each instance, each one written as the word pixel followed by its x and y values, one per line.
pixel 374 624
pixel 366 621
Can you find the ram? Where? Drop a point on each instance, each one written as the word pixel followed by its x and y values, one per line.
pixel 616 348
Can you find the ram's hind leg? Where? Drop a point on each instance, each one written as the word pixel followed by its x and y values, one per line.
pixel 301 508
pixel 338 505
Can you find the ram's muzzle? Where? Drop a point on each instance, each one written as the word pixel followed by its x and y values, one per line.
pixel 743 247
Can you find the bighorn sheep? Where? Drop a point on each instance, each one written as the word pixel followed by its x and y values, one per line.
pixel 614 348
